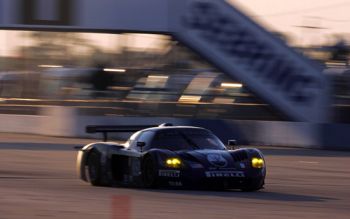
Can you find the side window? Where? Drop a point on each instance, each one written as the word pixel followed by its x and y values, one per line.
pixel 146 137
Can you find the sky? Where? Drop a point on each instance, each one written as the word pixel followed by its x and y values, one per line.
pixel 333 16
pixel 287 16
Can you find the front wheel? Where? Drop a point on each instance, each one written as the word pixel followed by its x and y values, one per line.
pixel 149 173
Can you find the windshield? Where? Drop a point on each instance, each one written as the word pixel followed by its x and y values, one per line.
pixel 186 139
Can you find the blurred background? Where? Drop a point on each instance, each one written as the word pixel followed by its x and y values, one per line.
pixel 154 75
pixel 54 84
pixel 140 74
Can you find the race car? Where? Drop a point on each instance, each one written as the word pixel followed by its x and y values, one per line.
pixel 170 156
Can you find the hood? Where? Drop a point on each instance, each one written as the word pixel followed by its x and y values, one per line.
pixel 208 158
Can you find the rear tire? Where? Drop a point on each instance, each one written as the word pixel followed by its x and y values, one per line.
pixel 94 168
pixel 149 173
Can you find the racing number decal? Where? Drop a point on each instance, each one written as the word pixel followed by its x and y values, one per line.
pixel 30 9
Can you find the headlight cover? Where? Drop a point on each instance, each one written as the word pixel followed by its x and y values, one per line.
pixel 257 163
pixel 173 162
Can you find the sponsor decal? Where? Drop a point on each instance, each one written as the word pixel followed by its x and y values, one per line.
pixel 175 183
pixel 169 173
pixel 214 174
pixel 217 160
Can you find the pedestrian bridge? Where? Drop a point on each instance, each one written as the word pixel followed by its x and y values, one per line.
pixel 216 30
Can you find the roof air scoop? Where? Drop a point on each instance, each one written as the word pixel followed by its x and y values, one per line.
pixel 165 125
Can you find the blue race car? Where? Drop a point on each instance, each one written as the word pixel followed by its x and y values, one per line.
pixel 170 156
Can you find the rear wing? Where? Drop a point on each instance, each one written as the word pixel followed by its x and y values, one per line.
pixel 105 129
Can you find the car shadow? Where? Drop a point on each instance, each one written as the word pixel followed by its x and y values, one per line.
pixel 257 195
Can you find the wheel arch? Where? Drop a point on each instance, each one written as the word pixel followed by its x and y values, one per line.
pixel 83 156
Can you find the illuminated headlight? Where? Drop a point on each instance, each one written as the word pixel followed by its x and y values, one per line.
pixel 257 163
pixel 173 162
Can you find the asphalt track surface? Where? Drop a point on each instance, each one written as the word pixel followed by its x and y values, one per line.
pixel 38 180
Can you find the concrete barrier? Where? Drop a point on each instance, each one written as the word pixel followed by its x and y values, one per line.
pixel 59 121
pixel 277 133
pixel 68 122
pixel 63 121
pixel 21 123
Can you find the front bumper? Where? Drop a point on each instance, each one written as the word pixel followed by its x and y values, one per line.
pixel 210 179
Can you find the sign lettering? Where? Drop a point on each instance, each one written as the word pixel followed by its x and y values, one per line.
pixel 30 12
pixel 237 43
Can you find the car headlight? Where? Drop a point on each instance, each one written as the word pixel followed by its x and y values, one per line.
pixel 257 163
pixel 173 162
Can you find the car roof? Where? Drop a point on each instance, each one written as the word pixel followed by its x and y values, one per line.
pixel 172 127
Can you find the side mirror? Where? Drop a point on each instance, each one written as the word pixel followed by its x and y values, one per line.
pixel 141 144
pixel 232 144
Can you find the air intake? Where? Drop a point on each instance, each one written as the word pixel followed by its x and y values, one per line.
pixel 240 155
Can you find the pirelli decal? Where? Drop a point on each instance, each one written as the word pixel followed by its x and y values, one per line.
pixel 214 174
pixel 169 173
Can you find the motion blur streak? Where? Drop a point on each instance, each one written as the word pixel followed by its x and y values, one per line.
pixel 50 66
pixel 114 70
pixel 231 85
pixel 121 207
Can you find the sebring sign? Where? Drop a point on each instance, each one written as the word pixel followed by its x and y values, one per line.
pixel 214 29
pixel 251 52
pixel 246 52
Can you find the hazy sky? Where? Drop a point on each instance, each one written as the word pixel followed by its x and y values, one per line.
pixel 287 15
pixel 279 15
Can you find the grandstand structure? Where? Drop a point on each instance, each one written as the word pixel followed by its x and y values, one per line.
pixel 286 85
